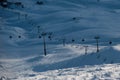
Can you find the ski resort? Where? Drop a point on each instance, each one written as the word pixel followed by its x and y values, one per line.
pixel 59 40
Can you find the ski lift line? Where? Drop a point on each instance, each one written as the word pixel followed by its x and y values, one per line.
pixel 59 39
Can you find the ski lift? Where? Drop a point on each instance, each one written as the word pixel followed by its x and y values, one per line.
pixel 74 18
pixel 49 37
pixel 10 37
pixel 19 36
pixel 39 2
pixel 110 42
pixel 73 40
pixel 39 36
pixel 83 40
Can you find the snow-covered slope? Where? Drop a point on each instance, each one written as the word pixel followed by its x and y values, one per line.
pixel 22 55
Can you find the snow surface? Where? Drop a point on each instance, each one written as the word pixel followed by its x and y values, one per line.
pixel 23 58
